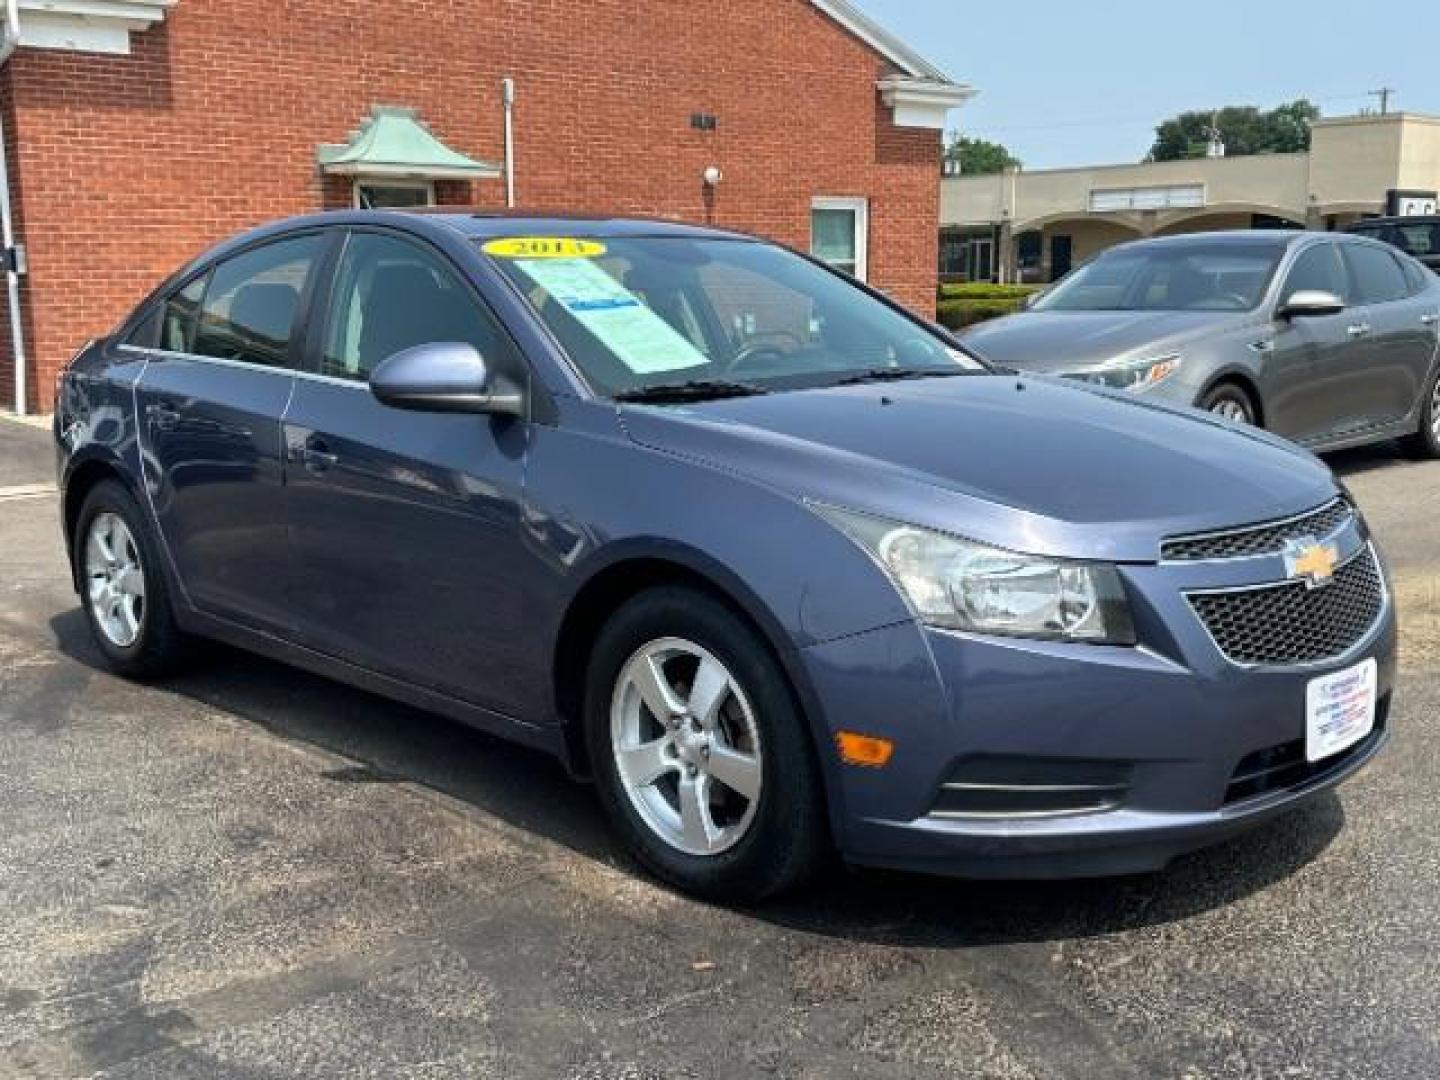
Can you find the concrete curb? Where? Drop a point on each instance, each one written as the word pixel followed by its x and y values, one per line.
pixel 41 420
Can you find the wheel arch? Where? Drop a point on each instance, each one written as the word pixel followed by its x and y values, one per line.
pixel 1243 381
pixel 82 478
pixel 629 571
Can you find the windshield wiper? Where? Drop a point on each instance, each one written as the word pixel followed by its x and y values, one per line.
pixel 878 375
pixel 692 390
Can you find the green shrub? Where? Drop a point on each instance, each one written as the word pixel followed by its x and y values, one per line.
pixel 958 314
pixel 985 291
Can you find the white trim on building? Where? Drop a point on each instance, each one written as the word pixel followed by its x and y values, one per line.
pixel 101 26
pixel 922 95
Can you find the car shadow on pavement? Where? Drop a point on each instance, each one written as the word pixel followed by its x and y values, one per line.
pixel 386 742
pixel 1364 459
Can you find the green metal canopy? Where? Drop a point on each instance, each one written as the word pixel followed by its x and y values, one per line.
pixel 394 142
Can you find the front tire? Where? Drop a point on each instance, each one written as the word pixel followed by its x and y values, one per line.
pixel 1424 445
pixel 1229 402
pixel 122 591
pixel 702 759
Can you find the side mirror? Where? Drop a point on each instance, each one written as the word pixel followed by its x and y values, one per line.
pixel 1031 299
pixel 1308 303
pixel 445 376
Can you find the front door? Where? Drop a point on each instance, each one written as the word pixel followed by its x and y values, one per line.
pixel 1308 357
pixel 406 526
pixel 210 402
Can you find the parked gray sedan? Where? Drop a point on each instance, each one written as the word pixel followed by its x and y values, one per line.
pixel 1328 339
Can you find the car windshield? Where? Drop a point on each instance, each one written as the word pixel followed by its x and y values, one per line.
pixel 1169 277
pixel 643 317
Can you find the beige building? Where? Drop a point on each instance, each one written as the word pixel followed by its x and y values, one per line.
pixel 1034 226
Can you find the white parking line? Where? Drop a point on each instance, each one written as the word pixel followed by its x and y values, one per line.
pixel 26 491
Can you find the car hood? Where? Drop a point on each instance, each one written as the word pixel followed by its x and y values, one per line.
pixel 1034 464
pixel 1055 341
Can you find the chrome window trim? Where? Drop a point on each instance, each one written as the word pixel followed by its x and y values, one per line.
pixel 1362 644
pixel 244 365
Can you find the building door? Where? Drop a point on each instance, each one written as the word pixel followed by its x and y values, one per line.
pixel 1062 254
pixel 982 259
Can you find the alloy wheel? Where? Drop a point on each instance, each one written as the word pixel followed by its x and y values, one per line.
pixel 1231 409
pixel 1435 412
pixel 114 580
pixel 686 746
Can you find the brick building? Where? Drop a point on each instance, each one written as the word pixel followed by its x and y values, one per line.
pixel 139 131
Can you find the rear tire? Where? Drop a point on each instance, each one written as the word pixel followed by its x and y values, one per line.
pixel 731 720
pixel 122 589
pixel 1230 402
pixel 1424 445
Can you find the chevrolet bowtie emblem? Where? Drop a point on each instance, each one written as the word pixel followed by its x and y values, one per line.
pixel 1311 561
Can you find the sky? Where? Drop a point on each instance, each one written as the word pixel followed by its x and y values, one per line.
pixel 1083 82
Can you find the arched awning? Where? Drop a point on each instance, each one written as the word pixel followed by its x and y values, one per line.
pixel 393 142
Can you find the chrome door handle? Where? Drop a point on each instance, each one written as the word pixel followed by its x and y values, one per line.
pixel 1358 329
pixel 1430 318
pixel 317 456
pixel 164 416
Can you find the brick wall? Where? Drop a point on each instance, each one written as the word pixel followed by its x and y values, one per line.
pixel 123 167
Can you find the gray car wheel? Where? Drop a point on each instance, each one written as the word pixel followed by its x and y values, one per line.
pixel 1230 403
pixel 123 593
pixel 700 753
pixel 1425 443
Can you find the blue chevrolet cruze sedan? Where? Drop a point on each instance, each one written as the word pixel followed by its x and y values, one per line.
pixel 777 564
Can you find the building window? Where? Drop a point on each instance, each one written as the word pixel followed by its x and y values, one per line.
pixel 1169 197
pixel 393 194
pixel 840 233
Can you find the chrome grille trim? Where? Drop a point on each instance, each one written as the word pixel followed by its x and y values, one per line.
pixel 1254 541
pixel 1288 624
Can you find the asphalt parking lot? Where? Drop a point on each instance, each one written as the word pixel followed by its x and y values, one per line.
pixel 251 872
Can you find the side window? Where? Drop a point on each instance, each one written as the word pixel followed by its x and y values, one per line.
pixel 177 327
pixel 1417 276
pixel 146 333
pixel 1376 273
pixel 249 309
pixel 390 295
pixel 1317 269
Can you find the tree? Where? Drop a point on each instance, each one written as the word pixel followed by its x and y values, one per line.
pixel 1244 130
pixel 977 157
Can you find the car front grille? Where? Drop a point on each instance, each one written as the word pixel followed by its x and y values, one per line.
pixel 1253 540
pixel 1292 623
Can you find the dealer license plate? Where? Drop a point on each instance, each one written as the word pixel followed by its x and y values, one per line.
pixel 1339 710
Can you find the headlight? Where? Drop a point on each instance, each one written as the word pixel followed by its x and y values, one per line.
pixel 1131 374
pixel 960 585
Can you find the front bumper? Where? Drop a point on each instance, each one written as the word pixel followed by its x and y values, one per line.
pixel 1172 733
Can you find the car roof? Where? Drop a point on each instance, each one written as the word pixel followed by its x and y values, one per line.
pixel 488 224
pixel 1234 238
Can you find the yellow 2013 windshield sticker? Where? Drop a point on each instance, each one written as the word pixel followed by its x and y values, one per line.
pixel 544 247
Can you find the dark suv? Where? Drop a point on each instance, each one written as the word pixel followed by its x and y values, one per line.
pixel 1417 236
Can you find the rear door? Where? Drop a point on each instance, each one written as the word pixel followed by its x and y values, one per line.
pixel 406 528
pixel 210 403
pixel 1395 352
